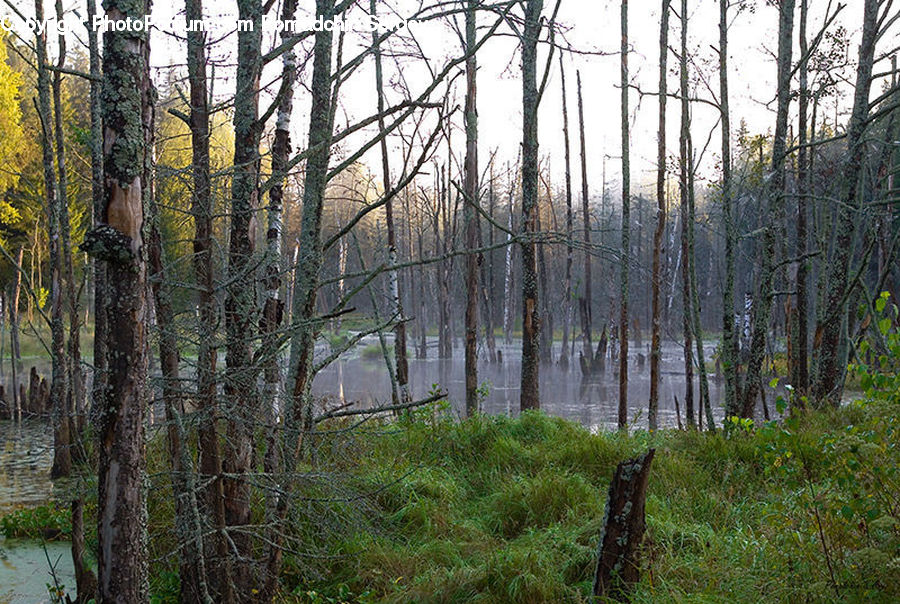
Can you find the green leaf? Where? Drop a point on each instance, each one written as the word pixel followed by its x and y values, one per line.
pixel 780 405
pixel 773 383
pixel 884 326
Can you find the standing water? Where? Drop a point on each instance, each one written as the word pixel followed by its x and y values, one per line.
pixel 26 455
pixel 360 377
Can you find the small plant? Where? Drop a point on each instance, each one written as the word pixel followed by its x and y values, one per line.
pixel 47 522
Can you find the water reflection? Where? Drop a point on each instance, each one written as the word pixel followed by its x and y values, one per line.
pixel 361 376
pixel 26 455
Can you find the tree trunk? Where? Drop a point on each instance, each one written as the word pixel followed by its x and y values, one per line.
pixel 471 216
pixel 626 231
pixel 763 304
pixel 298 420
pixel 508 265
pixel 799 361
pixel 15 353
pixel 396 310
pixel 75 382
pixel 729 341
pixel 567 284
pixel 618 564
pixel 209 456
pixel 62 458
pixel 121 514
pixel 655 327
pixel 531 319
pixel 828 358
pixel 241 399
pixel 587 299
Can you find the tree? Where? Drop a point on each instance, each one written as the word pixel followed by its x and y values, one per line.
pixel 829 349
pixel 400 360
pixel 567 286
pixel 586 298
pixel 126 104
pixel 660 217
pixel 62 457
pixel 626 230
pixel 729 341
pixel 531 319
pixel 762 304
pixel 471 216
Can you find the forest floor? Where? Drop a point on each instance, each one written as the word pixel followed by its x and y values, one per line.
pixel 497 509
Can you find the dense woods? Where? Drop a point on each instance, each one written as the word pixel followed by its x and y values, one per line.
pixel 211 227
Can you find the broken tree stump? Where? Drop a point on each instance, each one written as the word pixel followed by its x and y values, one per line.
pixel 618 566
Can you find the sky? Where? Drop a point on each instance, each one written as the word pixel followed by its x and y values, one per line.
pixel 591 27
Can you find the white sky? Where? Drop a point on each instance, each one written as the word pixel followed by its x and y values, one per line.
pixel 592 25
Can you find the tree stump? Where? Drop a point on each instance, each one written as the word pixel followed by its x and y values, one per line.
pixel 618 566
pixel 34 383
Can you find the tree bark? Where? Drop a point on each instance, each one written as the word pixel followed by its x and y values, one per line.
pixel 241 399
pixel 828 358
pixel 799 362
pixel 618 565
pixel 626 230
pixel 14 352
pixel 567 284
pixel 762 305
pixel 471 216
pixel 656 277
pixel 121 515
pixel 531 319
pixel 62 458
pixel 586 298
pixel 729 341
pixel 400 359
pixel 299 409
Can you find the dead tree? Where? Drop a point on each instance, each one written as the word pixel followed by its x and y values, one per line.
pixel 531 319
pixel 729 339
pixel 762 305
pixel 829 352
pixel 120 416
pixel 567 285
pixel 625 253
pixel 618 563
pixel 586 298
pixel 62 459
pixel 660 218
pixel 471 216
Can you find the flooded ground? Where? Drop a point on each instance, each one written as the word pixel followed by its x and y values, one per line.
pixel 361 377
pixel 26 454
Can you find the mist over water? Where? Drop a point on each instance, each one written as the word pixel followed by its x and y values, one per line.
pixel 361 377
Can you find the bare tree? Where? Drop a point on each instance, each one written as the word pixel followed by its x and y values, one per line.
pixel 471 216
pixel 567 285
pixel 762 304
pixel 729 341
pixel 829 351
pixel 119 420
pixel 531 319
pixel 626 230
pixel 656 277
pixel 62 458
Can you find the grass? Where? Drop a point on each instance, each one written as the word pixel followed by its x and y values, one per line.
pixel 496 509
pixel 509 510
